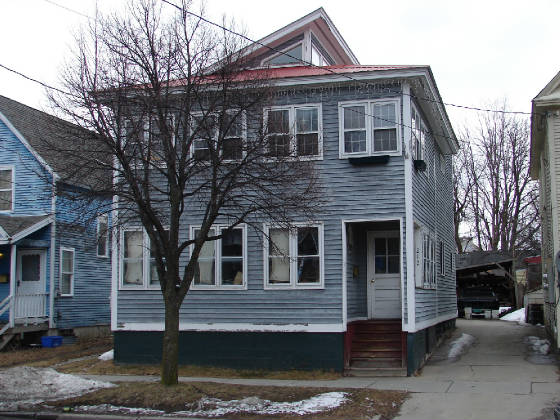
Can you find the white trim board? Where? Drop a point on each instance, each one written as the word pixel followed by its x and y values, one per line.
pixel 232 327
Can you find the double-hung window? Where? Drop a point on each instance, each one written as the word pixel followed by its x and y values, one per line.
pixel 294 257
pixel 225 137
pixel 294 130
pixel 222 263
pixel 6 188
pixel 369 128
pixel 429 261
pixel 418 134
pixel 103 235
pixel 66 271
pixel 138 264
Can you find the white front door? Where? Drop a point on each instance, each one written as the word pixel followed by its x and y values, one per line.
pixel 384 275
pixel 31 284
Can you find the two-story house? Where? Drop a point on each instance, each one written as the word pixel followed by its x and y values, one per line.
pixel 55 266
pixel 545 166
pixel 376 285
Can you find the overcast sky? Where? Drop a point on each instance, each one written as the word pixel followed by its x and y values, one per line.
pixel 479 51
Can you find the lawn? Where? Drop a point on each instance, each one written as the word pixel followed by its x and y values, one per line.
pixel 359 404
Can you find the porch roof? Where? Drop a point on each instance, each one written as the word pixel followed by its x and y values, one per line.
pixel 14 228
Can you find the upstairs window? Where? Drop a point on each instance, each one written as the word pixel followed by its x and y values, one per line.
pixel 418 135
pixel 294 131
pixel 293 55
pixel 369 128
pixel 6 188
pixel 317 59
pixel 207 132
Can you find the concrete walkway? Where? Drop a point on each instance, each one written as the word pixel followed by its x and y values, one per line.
pixel 497 378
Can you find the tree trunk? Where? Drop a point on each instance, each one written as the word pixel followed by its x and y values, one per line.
pixel 170 350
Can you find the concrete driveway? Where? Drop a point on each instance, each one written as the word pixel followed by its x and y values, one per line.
pixel 498 377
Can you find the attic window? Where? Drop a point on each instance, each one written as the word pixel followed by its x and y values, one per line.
pixel 317 59
pixel 293 55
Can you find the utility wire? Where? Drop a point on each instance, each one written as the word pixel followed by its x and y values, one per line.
pixel 34 80
pixel 473 108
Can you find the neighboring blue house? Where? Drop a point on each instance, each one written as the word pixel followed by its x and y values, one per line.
pixel 55 268
pixel 381 289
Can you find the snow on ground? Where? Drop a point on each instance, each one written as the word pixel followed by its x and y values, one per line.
pixel 538 345
pixel 109 408
pixel 24 386
pixel 108 355
pixel 213 407
pixel 516 316
pixel 460 345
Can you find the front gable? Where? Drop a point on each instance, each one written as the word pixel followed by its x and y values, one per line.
pixel 312 39
pixel 31 178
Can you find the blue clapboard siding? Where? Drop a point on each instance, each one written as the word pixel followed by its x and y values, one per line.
pixel 32 182
pixel 433 208
pixel 90 304
pixel 353 192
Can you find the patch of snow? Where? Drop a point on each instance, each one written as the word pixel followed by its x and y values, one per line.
pixel 515 316
pixel 537 344
pixel 25 385
pixel 108 355
pixel 503 309
pixel 213 407
pixel 109 408
pixel 460 345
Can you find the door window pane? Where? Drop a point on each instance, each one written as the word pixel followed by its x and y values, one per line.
pixel 30 267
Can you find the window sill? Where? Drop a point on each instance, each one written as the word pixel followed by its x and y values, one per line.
pixel 66 295
pixel 292 287
pixel 234 287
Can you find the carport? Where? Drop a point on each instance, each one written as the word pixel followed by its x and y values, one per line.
pixel 492 269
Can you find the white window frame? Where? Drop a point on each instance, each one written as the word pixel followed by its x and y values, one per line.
pixel 369 128
pixel 61 272
pixel 293 284
pixel 13 186
pixel 292 110
pixel 99 218
pixel 442 163
pixel 218 259
pixel 243 116
pixel 429 280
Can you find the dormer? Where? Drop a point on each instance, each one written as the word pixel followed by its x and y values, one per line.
pixel 312 39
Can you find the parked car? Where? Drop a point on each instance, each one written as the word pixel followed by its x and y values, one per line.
pixel 477 298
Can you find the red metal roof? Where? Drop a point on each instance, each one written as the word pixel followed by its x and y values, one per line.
pixel 302 71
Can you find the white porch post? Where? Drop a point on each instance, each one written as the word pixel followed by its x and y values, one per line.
pixel 13 280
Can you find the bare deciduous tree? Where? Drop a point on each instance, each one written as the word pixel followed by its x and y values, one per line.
pixel 495 196
pixel 180 141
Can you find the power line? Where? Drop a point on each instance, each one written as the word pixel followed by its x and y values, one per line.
pixel 473 108
pixel 69 9
pixel 34 80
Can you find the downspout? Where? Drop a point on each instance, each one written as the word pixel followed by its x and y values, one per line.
pixel 52 323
